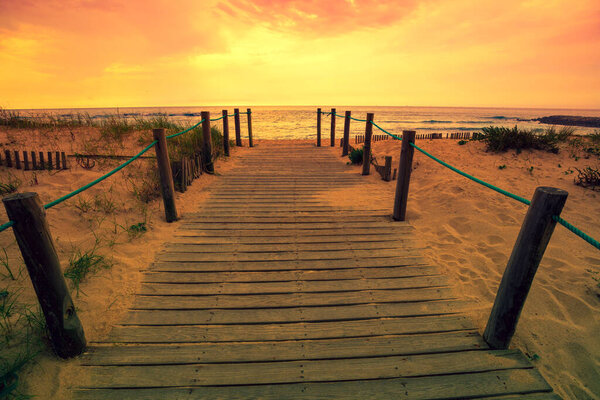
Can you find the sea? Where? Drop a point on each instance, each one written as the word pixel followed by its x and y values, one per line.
pixel 300 122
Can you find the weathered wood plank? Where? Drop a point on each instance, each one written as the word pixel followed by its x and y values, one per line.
pixel 290 331
pixel 392 230
pixel 286 265
pixel 296 226
pixel 268 246
pixel 303 241
pixel 292 275
pixel 294 314
pixel 305 370
pixel 291 299
pixel 285 350
pixel 299 286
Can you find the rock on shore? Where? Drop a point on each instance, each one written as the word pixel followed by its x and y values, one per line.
pixel 571 120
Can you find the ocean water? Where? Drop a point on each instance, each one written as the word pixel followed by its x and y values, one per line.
pixel 299 122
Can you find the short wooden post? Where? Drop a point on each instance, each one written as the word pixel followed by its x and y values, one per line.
pixel 25 161
pixel 207 141
pixel 7 157
pixel 38 251
pixel 33 161
pixel 238 132
pixel 367 146
pixel 319 127
pixel 17 160
pixel 250 143
pixel 165 174
pixel 64 160
pixel 57 159
pixel 404 171
pixel 332 139
pixel 346 134
pixel 527 253
pixel 42 164
pixel 388 169
pixel 225 133
pixel 49 160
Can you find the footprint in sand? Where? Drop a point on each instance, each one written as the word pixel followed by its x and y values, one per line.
pixel 495 239
pixel 460 225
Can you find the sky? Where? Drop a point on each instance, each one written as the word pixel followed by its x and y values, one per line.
pixel 483 53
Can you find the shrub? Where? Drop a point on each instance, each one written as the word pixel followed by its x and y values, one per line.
pixel 356 156
pixel 588 178
pixel 462 142
pixel 499 139
pixel 11 186
pixel 82 264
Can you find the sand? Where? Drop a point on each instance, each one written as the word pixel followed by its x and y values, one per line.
pixel 463 227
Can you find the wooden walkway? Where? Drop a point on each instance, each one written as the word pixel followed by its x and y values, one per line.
pixel 269 293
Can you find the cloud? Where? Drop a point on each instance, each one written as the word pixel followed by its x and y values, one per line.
pixel 316 17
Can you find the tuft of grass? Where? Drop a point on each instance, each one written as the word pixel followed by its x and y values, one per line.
pixel 11 186
pixel 500 139
pixel 356 156
pixel 147 187
pixel 503 166
pixel 5 264
pixel 81 264
pixel 104 204
pixel 136 230
pixel 462 142
pixel 84 205
pixel 588 178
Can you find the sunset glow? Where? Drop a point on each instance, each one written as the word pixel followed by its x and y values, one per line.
pixel 76 53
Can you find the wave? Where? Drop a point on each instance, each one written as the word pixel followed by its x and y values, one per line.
pixel 435 121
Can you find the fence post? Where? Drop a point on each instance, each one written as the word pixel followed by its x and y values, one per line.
pixel 207 142
pixel 166 175
pixel 36 245
pixel 387 176
pixel 250 144
pixel 238 134
pixel 225 133
pixel 367 146
pixel 25 161
pixel 527 253
pixel 17 160
pixel 404 171
pixel 346 134
pixel 332 138
pixel 318 127
pixel 8 160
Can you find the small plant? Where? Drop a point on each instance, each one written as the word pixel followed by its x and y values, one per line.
pixel 104 204
pixel 136 230
pixel 7 311
pixel 83 264
pixel 148 187
pixel 503 166
pixel 588 178
pixel 462 142
pixel 83 205
pixel 4 263
pixel 356 156
pixel 568 171
pixel 11 186
pixel 595 137
pixel 530 170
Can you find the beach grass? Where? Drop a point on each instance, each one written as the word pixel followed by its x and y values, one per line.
pixel 500 139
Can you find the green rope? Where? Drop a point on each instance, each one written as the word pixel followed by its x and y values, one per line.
pixel 7 225
pixel 383 130
pixel 184 131
pixel 216 119
pixel 577 231
pixel 471 177
pixel 89 185
pixel 359 120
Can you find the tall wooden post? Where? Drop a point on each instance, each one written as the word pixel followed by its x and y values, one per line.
pixel 36 245
pixel 367 146
pixel 207 142
pixel 238 134
pixel 319 127
pixel 527 253
pixel 332 139
pixel 225 133
pixel 346 134
pixel 250 128
pixel 165 173
pixel 404 171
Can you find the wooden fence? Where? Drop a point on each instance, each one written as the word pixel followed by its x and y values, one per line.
pixel 34 160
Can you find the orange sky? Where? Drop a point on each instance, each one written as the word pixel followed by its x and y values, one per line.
pixel 114 53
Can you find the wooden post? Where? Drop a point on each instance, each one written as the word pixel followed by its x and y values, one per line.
pixel 33 161
pixel 36 245
pixel 17 160
pixel 57 159
pixel 367 146
pixel 165 173
pixel 238 134
pixel 8 160
pixel 527 253
pixel 49 160
pixel 388 169
pixel 207 141
pixel 225 133
pixel 404 171
pixel 25 161
pixel 319 127
pixel 332 139
pixel 250 143
pixel 64 160
pixel 346 134
pixel 42 164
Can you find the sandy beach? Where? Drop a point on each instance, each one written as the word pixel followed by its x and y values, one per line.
pixel 463 227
